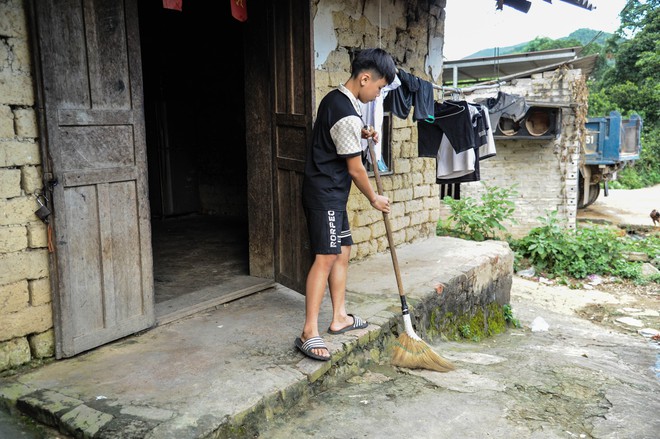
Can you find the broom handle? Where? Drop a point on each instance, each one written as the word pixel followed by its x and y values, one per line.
pixel 388 229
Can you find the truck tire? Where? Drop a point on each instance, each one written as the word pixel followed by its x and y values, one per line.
pixel 594 191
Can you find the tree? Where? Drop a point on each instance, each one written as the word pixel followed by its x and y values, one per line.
pixel 545 43
pixel 631 84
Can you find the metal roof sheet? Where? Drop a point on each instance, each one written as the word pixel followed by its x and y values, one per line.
pixel 514 65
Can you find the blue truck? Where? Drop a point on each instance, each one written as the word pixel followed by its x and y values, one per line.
pixel 611 143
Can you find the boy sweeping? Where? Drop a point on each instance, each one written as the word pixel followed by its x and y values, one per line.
pixel 333 163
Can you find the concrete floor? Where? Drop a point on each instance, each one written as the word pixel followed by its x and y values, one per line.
pixel 200 261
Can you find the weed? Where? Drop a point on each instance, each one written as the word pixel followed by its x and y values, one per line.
pixel 587 250
pixel 478 221
pixel 509 318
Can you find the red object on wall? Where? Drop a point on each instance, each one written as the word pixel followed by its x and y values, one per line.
pixel 239 9
pixel 177 5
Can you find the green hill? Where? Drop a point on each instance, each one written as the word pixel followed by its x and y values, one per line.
pixel 584 36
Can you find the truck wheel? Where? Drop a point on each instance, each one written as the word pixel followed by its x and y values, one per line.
pixel 594 191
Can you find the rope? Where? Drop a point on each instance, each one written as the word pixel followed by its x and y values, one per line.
pixel 380 24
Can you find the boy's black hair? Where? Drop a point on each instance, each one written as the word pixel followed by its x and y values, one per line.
pixel 375 60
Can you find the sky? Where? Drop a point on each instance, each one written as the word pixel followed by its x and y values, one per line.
pixel 472 25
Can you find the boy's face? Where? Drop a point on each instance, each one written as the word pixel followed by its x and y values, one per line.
pixel 370 87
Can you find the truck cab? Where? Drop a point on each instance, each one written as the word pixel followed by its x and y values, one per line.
pixel 611 143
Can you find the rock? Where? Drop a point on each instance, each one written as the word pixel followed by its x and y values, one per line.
pixel 636 256
pixel 649 332
pixel 649 270
pixel 630 322
pixel 539 325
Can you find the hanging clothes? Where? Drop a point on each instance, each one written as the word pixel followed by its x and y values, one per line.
pixel 414 92
pixel 456 133
pixel 452 164
pixel 454 168
pixel 488 149
pixel 450 190
pixel 452 118
pixel 507 105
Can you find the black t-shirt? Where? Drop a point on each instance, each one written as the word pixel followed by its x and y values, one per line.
pixel 336 137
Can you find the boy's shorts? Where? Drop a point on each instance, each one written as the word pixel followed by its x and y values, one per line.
pixel 328 231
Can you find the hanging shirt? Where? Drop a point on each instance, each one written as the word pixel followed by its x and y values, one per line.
pixel 452 164
pixel 452 118
pixel 507 105
pixel 372 115
pixel 488 149
pixel 413 91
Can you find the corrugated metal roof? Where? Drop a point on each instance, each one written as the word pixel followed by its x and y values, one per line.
pixel 514 65
pixel 525 5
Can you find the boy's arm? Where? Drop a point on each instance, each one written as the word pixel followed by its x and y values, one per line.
pixel 361 179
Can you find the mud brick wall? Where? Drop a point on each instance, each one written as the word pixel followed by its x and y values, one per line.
pixel 26 318
pixel 412 34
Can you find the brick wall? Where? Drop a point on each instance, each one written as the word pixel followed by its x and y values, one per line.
pixel 545 172
pixel 26 319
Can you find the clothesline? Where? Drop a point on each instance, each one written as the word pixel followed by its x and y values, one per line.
pixel 465 90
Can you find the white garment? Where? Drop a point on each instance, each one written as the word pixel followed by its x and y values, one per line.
pixel 487 149
pixel 372 115
pixel 451 164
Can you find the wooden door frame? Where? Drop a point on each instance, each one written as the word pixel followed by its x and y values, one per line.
pixel 258 117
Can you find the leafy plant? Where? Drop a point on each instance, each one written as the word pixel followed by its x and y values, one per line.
pixel 465 331
pixel 478 221
pixel 579 253
pixel 509 318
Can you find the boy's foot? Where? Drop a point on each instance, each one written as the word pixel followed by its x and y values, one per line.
pixel 313 343
pixel 358 323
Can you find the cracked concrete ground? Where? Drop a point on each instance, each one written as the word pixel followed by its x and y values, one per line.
pixel 578 379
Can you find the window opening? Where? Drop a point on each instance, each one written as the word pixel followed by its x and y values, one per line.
pixel 385 143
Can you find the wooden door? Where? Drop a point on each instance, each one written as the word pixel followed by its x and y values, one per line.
pixel 292 125
pixel 278 100
pixel 94 142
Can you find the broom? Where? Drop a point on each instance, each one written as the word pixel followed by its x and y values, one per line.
pixel 409 350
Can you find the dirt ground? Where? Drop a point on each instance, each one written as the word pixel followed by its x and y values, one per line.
pixel 618 305
pixel 624 207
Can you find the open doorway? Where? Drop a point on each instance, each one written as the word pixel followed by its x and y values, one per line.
pixel 196 156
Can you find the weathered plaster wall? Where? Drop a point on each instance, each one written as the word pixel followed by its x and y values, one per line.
pixel 25 301
pixel 413 34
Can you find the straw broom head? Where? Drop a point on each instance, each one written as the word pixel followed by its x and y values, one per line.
pixel 412 352
pixel 416 354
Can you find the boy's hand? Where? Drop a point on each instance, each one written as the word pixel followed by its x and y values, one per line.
pixel 381 203
pixel 368 132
